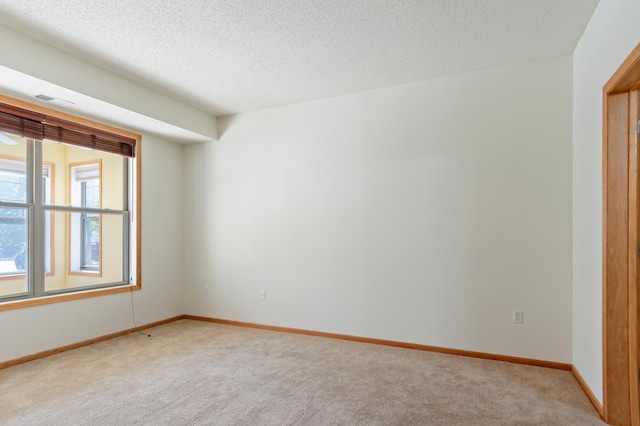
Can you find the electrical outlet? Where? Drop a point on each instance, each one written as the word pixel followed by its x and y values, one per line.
pixel 517 317
pixel 263 294
pixel 205 290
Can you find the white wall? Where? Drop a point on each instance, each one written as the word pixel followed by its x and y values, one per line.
pixel 422 213
pixel 31 330
pixel 611 35
pixel 27 55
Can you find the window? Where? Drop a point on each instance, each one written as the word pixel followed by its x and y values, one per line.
pixel 74 234
pixel 85 229
pixel 90 228
pixel 13 188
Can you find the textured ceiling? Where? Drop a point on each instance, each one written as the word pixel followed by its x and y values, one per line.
pixel 241 55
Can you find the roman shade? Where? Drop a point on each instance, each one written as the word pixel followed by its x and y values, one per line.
pixel 34 125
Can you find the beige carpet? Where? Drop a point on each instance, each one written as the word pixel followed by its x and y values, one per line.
pixel 197 373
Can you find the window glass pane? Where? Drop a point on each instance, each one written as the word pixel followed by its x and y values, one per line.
pixel 88 250
pixel 90 242
pixel 90 193
pixel 13 169
pixel 100 173
pixel 13 251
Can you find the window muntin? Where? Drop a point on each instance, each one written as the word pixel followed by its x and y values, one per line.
pixel 45 261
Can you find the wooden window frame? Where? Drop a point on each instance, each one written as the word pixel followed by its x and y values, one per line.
pixel 137 208
pixel 620 209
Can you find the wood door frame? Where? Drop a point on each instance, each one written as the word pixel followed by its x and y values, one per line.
pixel 620 238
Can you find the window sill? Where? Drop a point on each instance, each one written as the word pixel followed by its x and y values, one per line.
pixel 15 276
pixel 46 300
pixel 86 273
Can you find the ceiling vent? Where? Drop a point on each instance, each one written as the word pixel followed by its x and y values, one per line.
pixel 55 101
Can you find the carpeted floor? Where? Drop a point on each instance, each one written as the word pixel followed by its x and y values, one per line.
pixel 198 373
